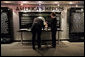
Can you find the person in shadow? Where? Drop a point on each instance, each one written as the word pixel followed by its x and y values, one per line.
pixel 53 28
pixel 36 29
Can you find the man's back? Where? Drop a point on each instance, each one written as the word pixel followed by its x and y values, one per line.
pixel 37 30
pixel 37 24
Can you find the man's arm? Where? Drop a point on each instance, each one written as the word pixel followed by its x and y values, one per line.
pixel 33 23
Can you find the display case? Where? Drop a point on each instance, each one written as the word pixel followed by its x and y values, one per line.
pixel 26 18
pixel 76 23
pixel 6 25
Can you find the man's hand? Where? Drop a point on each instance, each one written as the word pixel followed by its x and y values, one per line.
pixel 46 25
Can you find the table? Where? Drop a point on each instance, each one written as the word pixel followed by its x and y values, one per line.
pixel 59 30
pixel 23 30
pixel 29 30
pixel 26 30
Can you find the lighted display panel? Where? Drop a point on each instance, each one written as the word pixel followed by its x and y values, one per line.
pixel 6 25
pixel 26 18
pixel 76 21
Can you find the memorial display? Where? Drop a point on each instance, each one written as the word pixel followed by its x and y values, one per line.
pixel 6 25
pixel 76 22
pixel 26 18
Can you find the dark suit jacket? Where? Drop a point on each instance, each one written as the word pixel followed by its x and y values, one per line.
pixel 53 24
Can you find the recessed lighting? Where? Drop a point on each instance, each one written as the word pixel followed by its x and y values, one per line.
pixel 24 2
pixel 82 10
pixel 21 4
pixel 76 5
pixel 39 2
pixel 56 2
pixel 70 2
pixel 6 2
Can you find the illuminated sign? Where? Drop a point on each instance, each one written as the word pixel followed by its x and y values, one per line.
pixel 39 8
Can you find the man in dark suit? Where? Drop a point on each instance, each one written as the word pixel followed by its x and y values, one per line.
pixel 37 26
pixel 53 28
